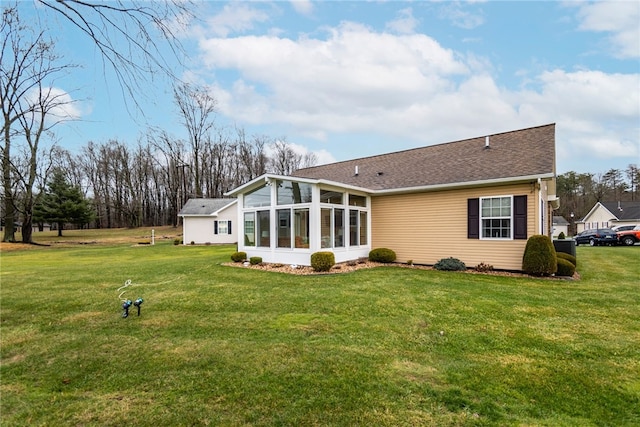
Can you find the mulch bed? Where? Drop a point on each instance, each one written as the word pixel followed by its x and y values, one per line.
pixel 359 265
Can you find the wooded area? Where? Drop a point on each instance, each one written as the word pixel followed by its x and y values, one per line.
pixel 146 182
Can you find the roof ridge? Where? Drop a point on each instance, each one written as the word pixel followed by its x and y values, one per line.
pixel 423 147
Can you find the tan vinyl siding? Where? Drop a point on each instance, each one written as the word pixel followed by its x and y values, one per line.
pixel 426 227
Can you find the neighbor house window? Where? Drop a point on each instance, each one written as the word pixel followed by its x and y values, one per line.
pixel 222 227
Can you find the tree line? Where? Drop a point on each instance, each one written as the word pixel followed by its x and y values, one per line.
pixel 126 184
pixel 146 182
pixel 579 192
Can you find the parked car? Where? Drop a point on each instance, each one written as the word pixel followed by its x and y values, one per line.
pixel 597 236
pixel 619 228
pixel 629 237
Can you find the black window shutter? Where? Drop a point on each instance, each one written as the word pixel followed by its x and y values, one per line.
pixel 520 217
pixel 473 218
pixel 229 227
pixel 215 227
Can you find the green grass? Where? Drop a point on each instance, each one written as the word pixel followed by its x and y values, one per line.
pixel 219 345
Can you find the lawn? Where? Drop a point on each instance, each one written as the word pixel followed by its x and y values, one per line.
pixel 217 345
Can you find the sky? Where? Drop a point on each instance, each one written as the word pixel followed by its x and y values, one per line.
pixel 346 80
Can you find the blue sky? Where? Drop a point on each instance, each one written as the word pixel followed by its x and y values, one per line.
pixel 353 79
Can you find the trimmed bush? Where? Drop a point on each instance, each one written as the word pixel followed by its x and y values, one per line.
pixel 565 268
pixel 383 255
pixel 539 257
pixel 561 236
pixel 322 261
pixel 255 260
pixel 573 260
pixel 450 264
pixel 238 256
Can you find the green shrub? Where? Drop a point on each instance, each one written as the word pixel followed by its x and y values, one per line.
pixel 565 268
pixel 176 242
pixel 384 255
pixel 539 257
pixel 238 256
pixel 568 257
pixel 322 261
pixel 561 236
pixel 450 264
pixel 255 260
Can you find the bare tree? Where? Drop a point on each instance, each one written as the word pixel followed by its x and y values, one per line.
pixel 285 160
pixel 132 36
pixel 31 107
pixel 197 110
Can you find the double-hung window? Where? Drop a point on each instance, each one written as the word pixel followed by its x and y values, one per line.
pixel 495 215
pixel 499 218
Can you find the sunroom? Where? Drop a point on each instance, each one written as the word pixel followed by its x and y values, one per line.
pixel 284 219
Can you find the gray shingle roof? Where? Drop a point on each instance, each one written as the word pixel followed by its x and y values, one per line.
pixel 519 153
pixel 624 210
pixel 204 206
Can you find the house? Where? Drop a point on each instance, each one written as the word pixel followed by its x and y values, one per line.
pixel 610 214
pixel 559 225
pixel 209 221
pixel 477 200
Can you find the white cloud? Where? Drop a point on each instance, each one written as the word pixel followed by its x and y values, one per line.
pixel 235 17
pixel 410 89
pixel 59 104
pixel 460 15
pixel 303 7
pixel 618 18
pixel 405 23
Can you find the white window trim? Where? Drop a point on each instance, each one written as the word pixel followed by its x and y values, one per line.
pixel 511 231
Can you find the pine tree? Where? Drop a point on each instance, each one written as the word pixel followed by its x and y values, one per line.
pixel 63 203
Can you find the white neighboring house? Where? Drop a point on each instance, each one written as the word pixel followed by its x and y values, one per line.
pixel 560 225
pixel 610 214
pixel 209 221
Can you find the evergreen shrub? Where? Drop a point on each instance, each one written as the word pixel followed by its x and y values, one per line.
pixel 561 236
pixel 573 260
pixel 383 255
pixel 539 257
pixel 450 264
pixel 565 268
pixel 255 260
pixel 322 261
pixel 238 256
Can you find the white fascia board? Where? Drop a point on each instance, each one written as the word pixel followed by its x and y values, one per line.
pixel 467 184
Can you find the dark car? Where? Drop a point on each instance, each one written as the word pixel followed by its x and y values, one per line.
pixel 597 236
